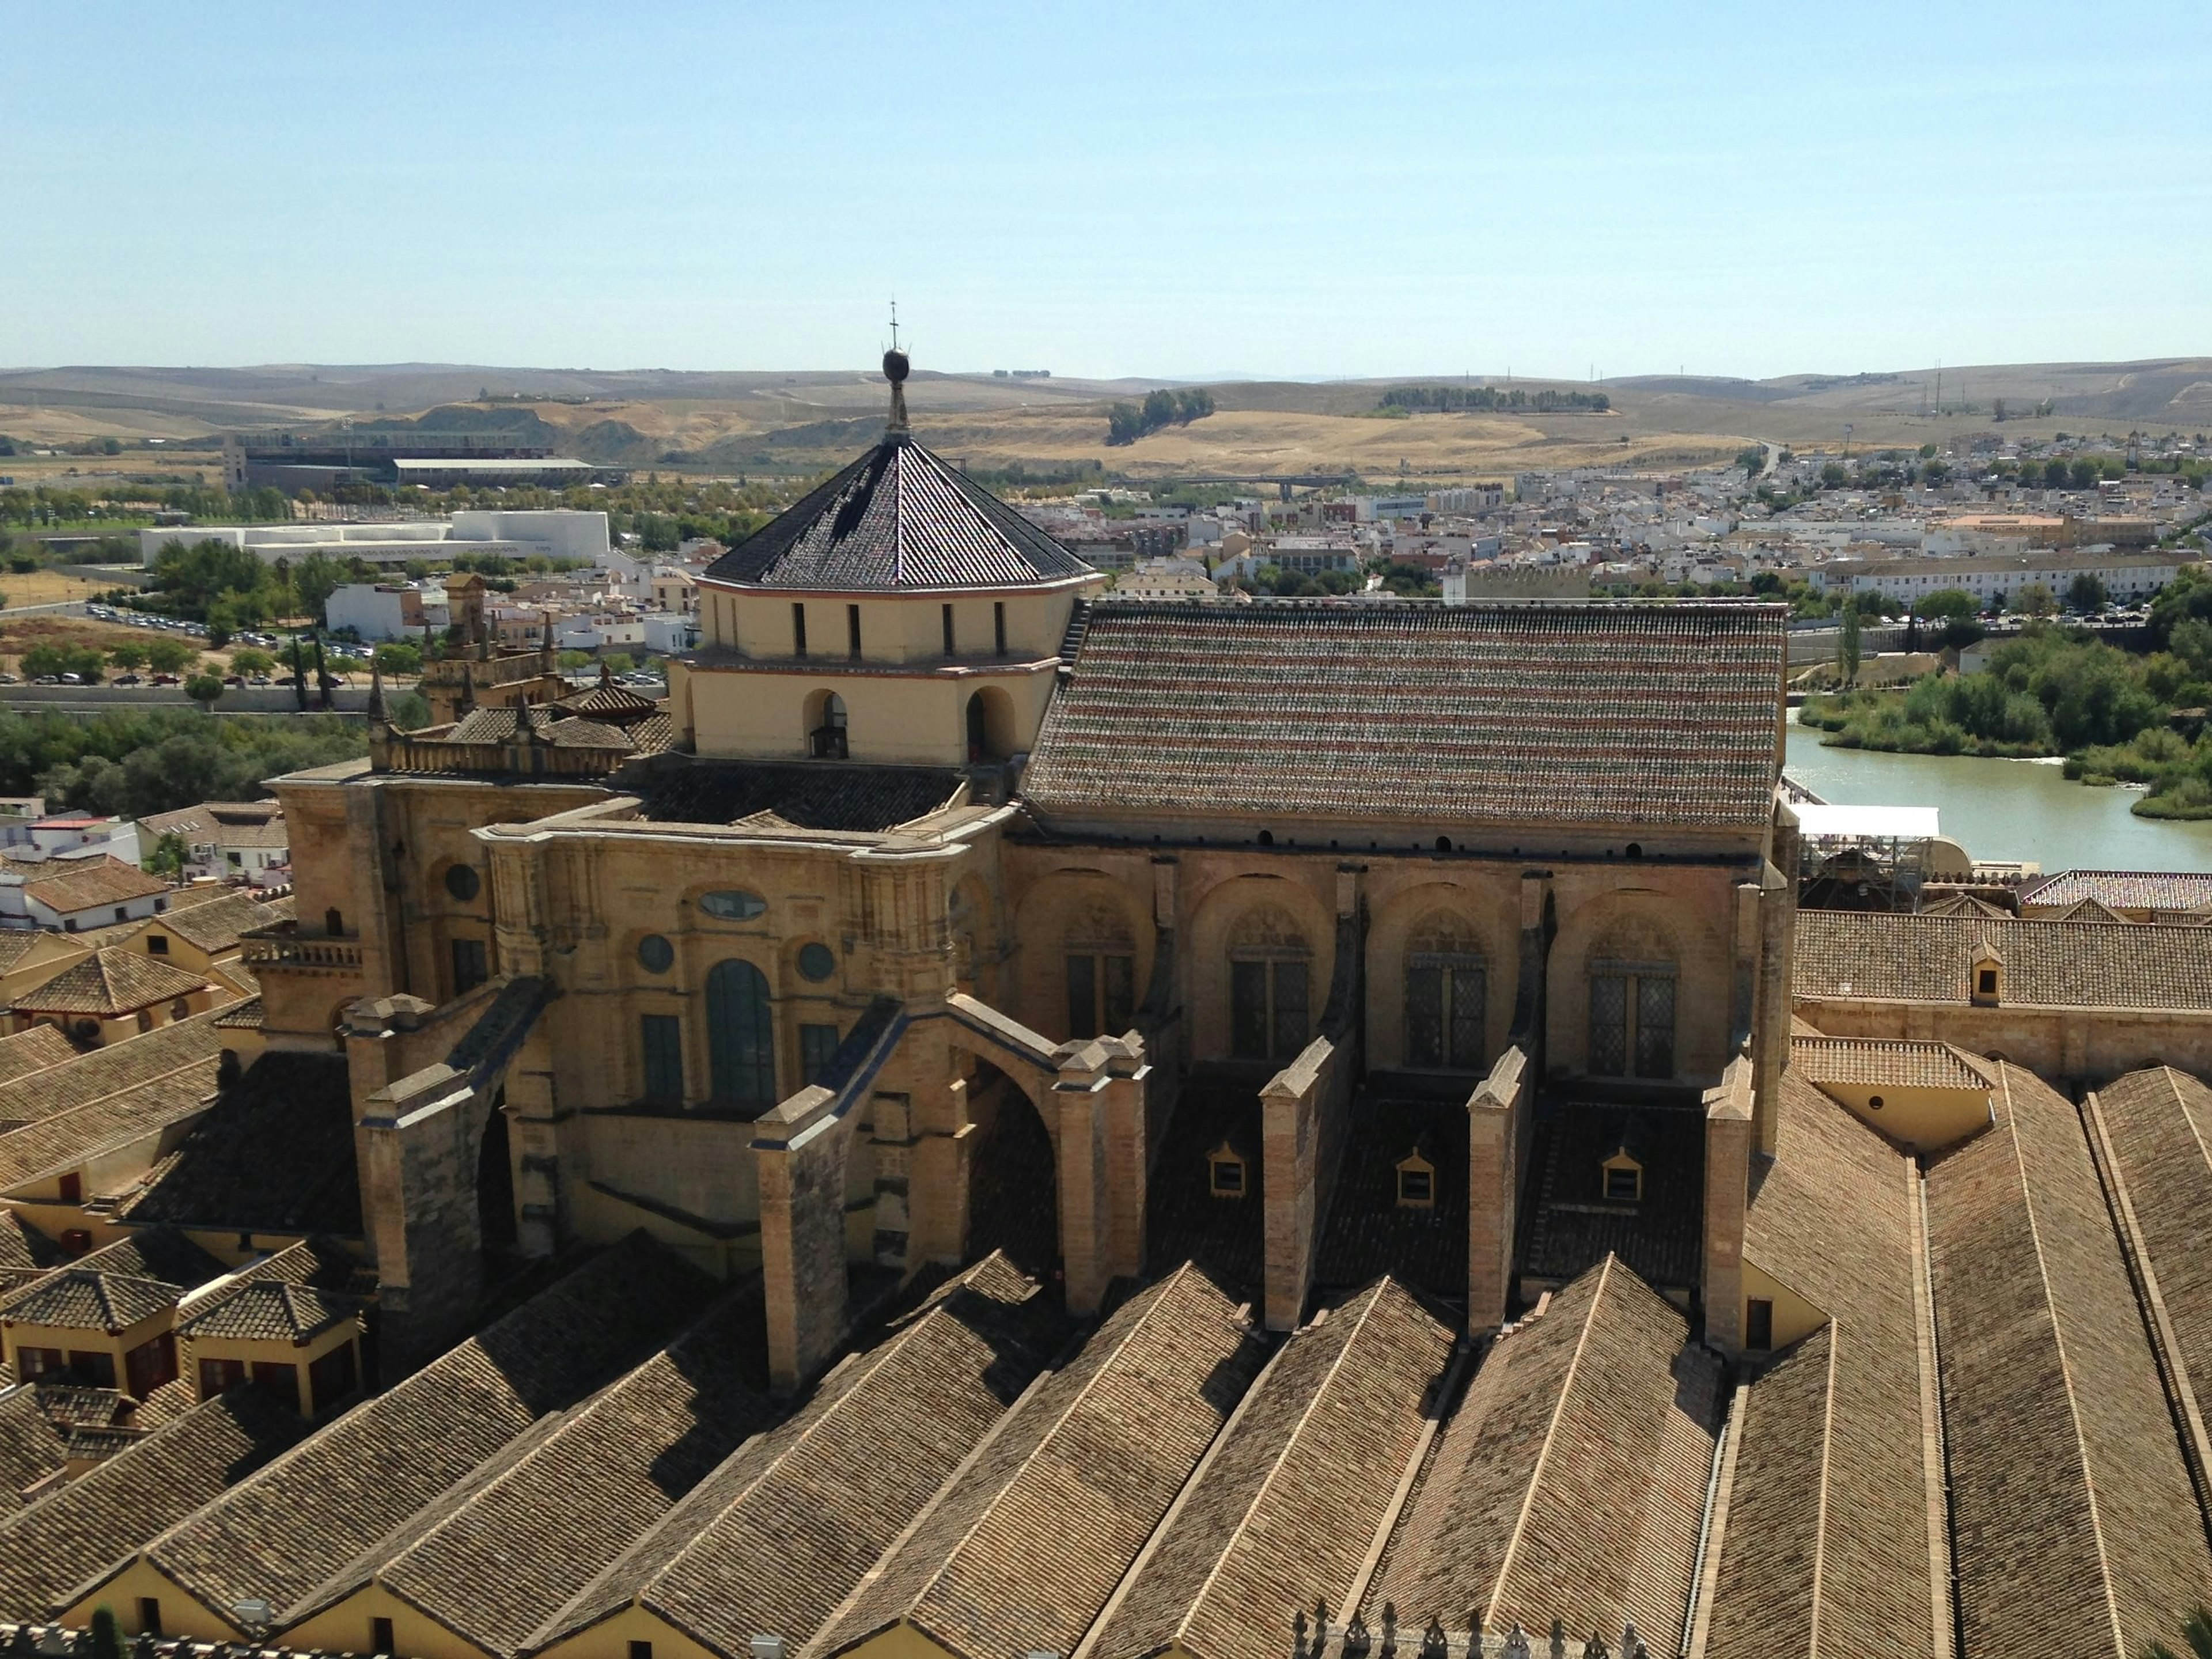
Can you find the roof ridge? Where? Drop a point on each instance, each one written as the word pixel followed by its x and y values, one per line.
pixel 1283 1454
pixel 1543 1452
pixel 2065 1367
pixel 928 1586
pixel 1820 1509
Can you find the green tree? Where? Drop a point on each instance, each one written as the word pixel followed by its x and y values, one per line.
pixel 399 657
pixel 169 656
pixel 128 656
pixel 106 1634
pixel 2196 1631
pixel 251 659
pixel 314 579
pixel 1947 605
pixel 618 662
pixel 1847 647
pixel 2035 600
pixel 1751 459
pixel 168 856
pixel 203 689
pixel 1832 476
pixel 2055 474
pixel 2084 474
pixel 2085 594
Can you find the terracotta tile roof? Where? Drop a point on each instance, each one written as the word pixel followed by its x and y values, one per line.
pixel 382 1462
pixel 1290 1498
pixel 23 1245
pixel 1021 1550
pixel 86 1301
pixel 1899 1062
pixel 273 1312
pixel 115 1287
pixel 1567 1223
pixel 218 926
pixel 72 1533
pixel 245 1016
pixel 2070 1504
pixel 898 518
pixel 1961 904
pixel 212 819
pixel 493 1567
pixel 781 1533
pixel 113 1094
pixel 17 944
pixel 2157 1128
pixel 1627 716
pixel 2122 889
pixel 1571 1481
pixel 2087 909
pixel 78 884
pixel 111 982
pixel 2048 964
pixel 1369 1232
pixel 33 1050
pixel 1833 1218
pixel 273 1153
pixel 1186 1219
pixel 606 700
pixel 813 795
pixel 31 1448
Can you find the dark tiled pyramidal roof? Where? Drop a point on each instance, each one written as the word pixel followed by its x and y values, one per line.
pixel 897 518
pixel 1600 713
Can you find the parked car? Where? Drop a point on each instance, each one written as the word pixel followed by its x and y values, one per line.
pixel 127 679
pixel 167 679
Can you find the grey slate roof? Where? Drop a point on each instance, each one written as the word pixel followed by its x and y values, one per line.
pixel 1612 716
pixel 898 518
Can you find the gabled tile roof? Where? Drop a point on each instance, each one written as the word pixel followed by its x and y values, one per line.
pixel 2048 964
pixel 104 1071
pixel 897 519
pixel 1616 717
pixel 1019 1553
pixel 78 884
pixel 1833 1218
pixel 2122 889
pixel 1897 1061
pixel 382 1462
pixel 1290 1498
pixel 23 1245
pixel 781 1533
pixel 218 926
pixel 35 1050
pixel 100 1517
pixel 272 1311
pixel 1570 1479
pixel 109 983
pixel 2071 1506
pixel 116 1286
pixel 275 1153
pixel 493 1567
pixel 31 1448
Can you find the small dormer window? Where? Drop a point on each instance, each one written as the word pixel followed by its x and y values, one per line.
pixel 1986 975
pixel 1620 1179
pixel 1986 983
pixel 1224 1172
pixel 1417 1183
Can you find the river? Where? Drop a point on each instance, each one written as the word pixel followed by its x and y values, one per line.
pixel 2004 809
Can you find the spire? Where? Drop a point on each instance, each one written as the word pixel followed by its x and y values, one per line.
pixel 547 662
pixel 468 699
pixel 376 715
pixel 896 366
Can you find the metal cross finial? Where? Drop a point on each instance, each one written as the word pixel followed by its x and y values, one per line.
pixel 893 323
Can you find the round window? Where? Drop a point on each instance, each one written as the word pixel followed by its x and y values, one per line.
pixel 655 954
pixel 817 962
pixel 734 905
pixel 463 882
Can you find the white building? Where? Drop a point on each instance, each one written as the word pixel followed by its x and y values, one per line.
pixel 226 840
pixel 380 611
pixel 553 533
pixel 1989 579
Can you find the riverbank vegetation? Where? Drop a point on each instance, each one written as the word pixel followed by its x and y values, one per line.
pixel 154 760
pixel 2114 716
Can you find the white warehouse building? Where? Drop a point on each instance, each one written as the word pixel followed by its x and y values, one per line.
pixel 553 533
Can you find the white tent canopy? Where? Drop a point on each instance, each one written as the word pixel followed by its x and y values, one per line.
pixel 1827 823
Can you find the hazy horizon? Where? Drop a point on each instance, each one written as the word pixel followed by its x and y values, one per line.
pixel 1281 193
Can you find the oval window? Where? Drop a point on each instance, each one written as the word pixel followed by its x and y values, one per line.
pixel 817 962
pixel 463 882
pixel 734 905
pixel 655 954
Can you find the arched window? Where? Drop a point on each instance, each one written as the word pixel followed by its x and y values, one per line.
pixel 1631 1004
pixel 1270 981
pixel 1100 960
pixel 1446 997
pixel 825 739
pixel 740 1035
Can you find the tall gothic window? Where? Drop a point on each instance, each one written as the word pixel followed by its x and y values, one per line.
pixel 1632 977
pixel 1101 962
pixel 1446 1004
pixel 1270 986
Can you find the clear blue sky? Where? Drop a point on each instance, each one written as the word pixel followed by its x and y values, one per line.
pixel 1117 189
